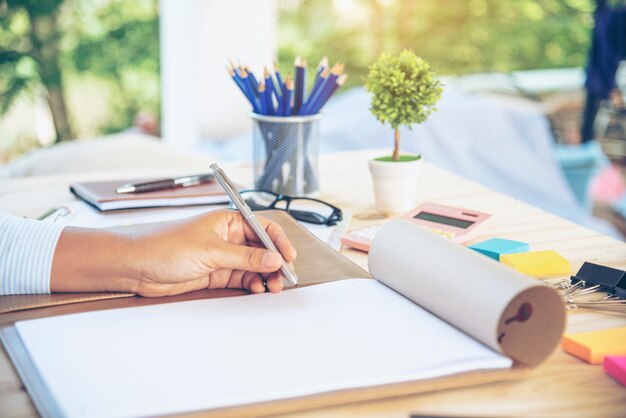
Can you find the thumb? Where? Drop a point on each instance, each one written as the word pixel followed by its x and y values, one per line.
pixel 242 257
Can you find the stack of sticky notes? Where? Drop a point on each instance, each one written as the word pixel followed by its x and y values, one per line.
pixel 616 367
pixel 593 346
pixel 496 247
pixel 538 263
pixel 517 254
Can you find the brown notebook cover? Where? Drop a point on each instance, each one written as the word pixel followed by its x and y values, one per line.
pixel 102 195
pixel 316 263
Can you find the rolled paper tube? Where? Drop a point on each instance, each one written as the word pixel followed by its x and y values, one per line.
pixel 496 305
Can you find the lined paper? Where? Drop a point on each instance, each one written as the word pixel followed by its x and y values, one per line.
pixel 216 353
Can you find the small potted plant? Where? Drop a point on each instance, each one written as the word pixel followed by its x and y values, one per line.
pixel 404 92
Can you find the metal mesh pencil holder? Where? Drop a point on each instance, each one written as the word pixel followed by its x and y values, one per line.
pixel 285 151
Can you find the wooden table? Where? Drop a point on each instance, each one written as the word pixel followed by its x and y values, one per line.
pixel 562 386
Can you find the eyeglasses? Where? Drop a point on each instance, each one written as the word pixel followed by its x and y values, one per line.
pixel 304 209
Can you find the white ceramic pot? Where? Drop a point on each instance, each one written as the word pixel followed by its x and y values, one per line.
pixel 395 184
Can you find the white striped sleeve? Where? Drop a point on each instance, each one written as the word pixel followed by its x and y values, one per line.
pixel 26 251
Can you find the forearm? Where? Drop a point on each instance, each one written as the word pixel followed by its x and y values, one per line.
pixel 90 260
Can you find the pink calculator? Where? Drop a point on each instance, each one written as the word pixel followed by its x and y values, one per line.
pixel 457 224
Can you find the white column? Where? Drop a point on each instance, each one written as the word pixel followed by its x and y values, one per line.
pixel 199 100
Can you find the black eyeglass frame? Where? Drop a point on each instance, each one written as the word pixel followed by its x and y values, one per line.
pixel 335 216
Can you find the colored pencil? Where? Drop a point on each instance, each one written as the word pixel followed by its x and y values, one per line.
pixel 245 79
pixel 299 87
pixel 316 91
pixel 264 110
pixel 322 66
pixel 273 96
pixel 237 80
pixel 340 82
pixel 253 80
pixel 269 91
pixel 324 90
pixel 279 81
pixel 287 96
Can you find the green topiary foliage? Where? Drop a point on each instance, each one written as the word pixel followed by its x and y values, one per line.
pixel 404 91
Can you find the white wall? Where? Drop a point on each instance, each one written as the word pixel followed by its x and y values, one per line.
pixel 199 100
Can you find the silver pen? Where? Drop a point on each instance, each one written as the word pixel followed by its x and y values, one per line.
pixel 254 223
pixel 164 184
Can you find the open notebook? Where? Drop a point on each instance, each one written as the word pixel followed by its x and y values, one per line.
pixel 436 309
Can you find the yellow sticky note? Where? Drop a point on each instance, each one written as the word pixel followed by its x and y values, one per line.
pixel 593 346
pixel 538 263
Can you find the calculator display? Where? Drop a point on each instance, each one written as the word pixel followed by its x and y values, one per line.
pixel 446 220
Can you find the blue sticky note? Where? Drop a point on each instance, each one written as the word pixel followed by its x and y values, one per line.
pixel 494 247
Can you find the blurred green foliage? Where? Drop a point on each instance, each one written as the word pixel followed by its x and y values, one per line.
pixel 29 55
pixel 455 36
pixel 114 44
pixel 47 46
pixel 119 43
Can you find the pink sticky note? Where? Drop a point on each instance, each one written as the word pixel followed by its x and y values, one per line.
pixel 616 367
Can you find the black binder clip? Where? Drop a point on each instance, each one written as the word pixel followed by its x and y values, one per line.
pixel 602 278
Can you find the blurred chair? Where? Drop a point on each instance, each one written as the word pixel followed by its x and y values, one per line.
pixel 115 152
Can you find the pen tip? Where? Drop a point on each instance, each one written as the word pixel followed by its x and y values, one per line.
pixel 127 188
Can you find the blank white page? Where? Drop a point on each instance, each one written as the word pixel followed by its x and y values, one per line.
pixel 222 352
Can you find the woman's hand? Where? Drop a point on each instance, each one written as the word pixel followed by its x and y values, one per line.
pixel 214 250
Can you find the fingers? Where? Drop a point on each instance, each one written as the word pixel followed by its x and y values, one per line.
pixel 242 257
pixel 274 283
pixel 254 283
pixel 276 234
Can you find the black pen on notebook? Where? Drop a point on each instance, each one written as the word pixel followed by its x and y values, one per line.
pixel 254 223
pixel 164 184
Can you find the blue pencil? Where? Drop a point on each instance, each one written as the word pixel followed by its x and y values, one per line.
pixel 279 81
pixel 245 79
pixel 263 98
pixel 279 108
pixel 253 80
pixel 287 96
pixel 299 89
pixel 323 66
pixel 282 100
pixel 326 90
pixel 269 92
pixel 237 80
pixel 318 87
pixel 340 82
pixel 274 97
